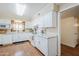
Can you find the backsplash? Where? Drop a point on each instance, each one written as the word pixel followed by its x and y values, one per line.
pixel 46 30
pixel 51 30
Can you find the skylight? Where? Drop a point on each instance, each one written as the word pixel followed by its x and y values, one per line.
pixel 20 9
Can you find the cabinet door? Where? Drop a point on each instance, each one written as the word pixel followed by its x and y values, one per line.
pixel 15 37
pixel 54 19
pixel 36 41
pixel 47 20
pixel 7 39
pixel 44 45
pixel 24 36
pixel 41 44
pixel 20 37
pixel 52 46
pixel 41 21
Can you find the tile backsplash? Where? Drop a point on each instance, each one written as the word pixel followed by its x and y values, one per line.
pixel 51 30
pixel 46 30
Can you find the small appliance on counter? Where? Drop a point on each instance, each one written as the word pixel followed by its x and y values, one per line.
pixel 4 28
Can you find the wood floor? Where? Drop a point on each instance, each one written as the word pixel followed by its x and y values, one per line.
pixel 20 49
pixel 68 51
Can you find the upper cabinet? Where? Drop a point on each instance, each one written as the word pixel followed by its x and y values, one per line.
pixel 46 17
pixel 49 20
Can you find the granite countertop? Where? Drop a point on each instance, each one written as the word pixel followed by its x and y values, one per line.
pixel 48 35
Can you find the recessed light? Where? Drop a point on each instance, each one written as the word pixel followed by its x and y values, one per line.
pixel 20 8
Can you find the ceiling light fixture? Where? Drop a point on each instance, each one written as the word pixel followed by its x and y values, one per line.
pixel 20 9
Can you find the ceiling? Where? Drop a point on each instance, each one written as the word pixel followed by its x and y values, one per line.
pixel 70 12
pixel 8 10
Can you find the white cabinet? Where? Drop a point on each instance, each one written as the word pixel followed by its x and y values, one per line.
pixel 21 36
pixel 40 22
pixel 32 41
pixel 44 46
pixel 41 44
pixel 49 20
pixel 52 46
pixel 48 46
pixel 28 25
pixel 15 37
pixel 6 39
pixel 37 41
pixel 54 19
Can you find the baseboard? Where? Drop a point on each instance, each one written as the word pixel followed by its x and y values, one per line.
pixel 20 42
pixel 73 46
pixel 14 43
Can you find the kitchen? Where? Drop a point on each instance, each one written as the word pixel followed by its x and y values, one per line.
pixel 36 24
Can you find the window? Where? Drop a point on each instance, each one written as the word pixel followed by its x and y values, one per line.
pixel 18 26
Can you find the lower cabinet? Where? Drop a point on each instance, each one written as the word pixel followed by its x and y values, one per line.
pixel 14 37
pixel 41 44
pixel 6 39
pixel 37 42
pixel 48 46
pixel 17 37
pixel 52 46
pixel 44 45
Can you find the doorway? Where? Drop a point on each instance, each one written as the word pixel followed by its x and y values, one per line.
pixel 70 32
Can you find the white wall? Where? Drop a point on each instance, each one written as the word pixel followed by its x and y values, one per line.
pixel 68 31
